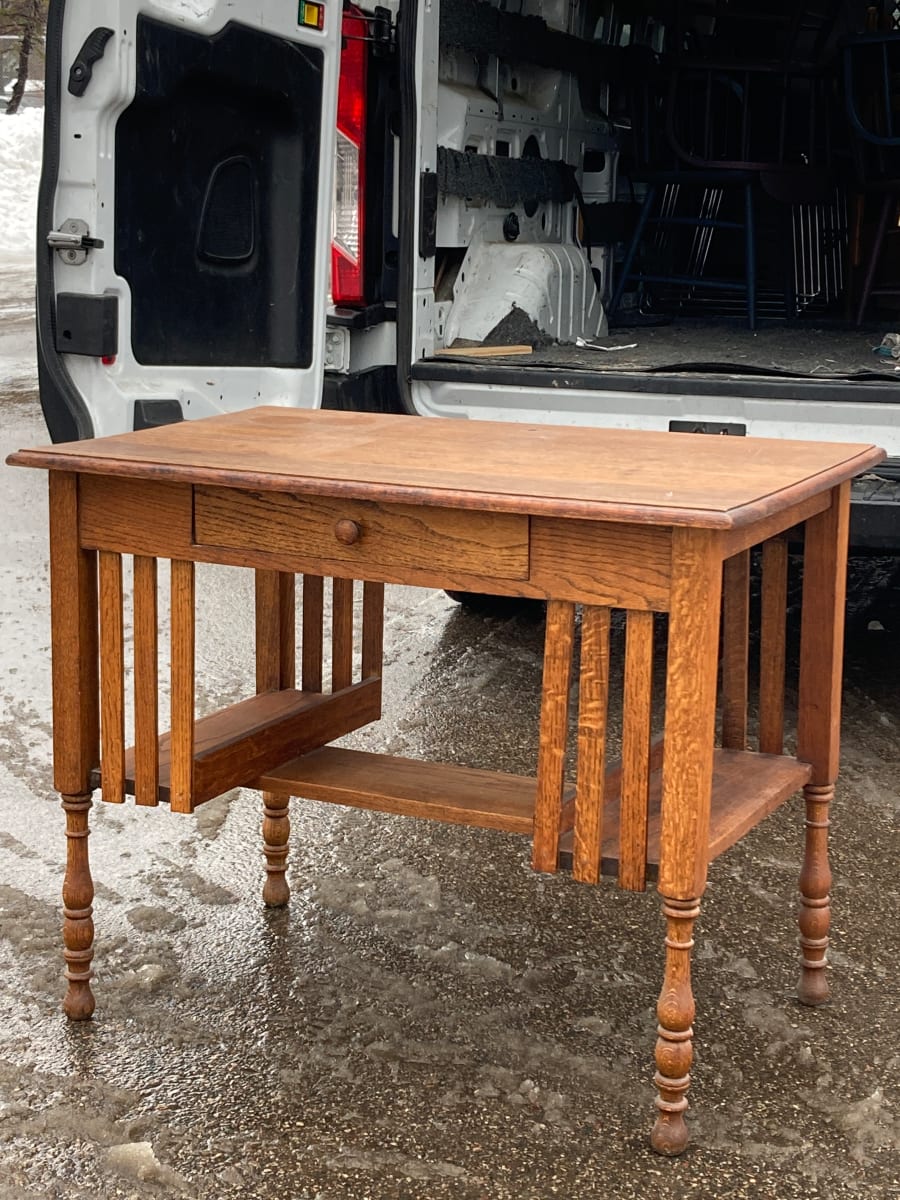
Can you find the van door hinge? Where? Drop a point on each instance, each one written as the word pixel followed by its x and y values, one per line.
pixel 337 351
pixel 72 241
pixel 381 31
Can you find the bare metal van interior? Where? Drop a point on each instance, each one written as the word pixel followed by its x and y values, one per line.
pixel 664 215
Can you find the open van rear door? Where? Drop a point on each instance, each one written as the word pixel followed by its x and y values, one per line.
pixel 184 212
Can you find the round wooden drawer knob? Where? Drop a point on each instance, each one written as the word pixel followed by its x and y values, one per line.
pixel 347 532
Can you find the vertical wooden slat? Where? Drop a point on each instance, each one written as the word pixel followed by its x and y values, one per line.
pixel 342 634
pixel 146 682
pixel 592 720
pixel 558 647
pixel 287 632
pixel 772 646
pixel 275 631
pixel 73 617
pixel 735 650
pixel 372 629
pixel 636 750
pixel 268 660
pixel 182 666
pixel 112 678
pixel 311 646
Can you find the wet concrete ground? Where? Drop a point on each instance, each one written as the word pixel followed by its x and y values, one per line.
pixel 429 1019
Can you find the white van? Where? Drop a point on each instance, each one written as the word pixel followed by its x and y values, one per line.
pixel 507 209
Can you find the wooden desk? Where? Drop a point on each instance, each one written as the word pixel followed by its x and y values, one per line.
pixel 607 519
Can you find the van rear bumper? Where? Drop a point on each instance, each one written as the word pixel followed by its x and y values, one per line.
pixel 363 391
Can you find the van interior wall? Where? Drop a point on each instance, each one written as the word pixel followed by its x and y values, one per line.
pixel 539 185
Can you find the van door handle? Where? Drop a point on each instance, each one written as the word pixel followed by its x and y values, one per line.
pixel 82 68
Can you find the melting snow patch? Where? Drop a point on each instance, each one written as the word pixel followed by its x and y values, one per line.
pixel 872 1124
pixel 150 975
pixel 137 1160
pixel 150 919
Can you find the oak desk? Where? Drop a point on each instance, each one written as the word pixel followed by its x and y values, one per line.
pixel 606 519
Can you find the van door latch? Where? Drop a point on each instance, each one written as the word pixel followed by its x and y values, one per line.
pixel 72 241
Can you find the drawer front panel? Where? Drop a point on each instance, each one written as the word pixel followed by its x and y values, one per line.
pixel 363 532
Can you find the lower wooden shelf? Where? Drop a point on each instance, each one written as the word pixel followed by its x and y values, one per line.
pixel 443 792
pixel 746 788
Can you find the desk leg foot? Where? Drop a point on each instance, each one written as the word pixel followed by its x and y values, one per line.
pixel 815 902
pixel 675 1009
pixel 78 896
pixel 276 832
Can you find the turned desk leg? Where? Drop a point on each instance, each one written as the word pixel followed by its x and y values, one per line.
pixel 818 726
pixel 815 902
pixel 276 657
pixel 78 896
pixel 691 675
pixel 674 1045
pixel 276 832
pixel 76 726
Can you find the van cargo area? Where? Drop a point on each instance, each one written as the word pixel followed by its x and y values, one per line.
pixel 655 215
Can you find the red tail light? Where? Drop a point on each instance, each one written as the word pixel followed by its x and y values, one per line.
pixel 347 219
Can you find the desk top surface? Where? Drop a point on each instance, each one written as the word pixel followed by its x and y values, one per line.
pixel 607 474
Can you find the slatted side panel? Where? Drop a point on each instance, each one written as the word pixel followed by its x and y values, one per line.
pixel 146 682
pixel 343 643
pixel 735 650
pixel 773 638
pixel 276 663
pixel 593 698
pixel 112 678
pixel 636 716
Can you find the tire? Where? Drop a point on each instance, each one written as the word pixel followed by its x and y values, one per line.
pixel 483 605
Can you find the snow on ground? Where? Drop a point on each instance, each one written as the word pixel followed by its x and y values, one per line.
pixel 20 165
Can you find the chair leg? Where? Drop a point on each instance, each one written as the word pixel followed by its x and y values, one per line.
pixel 886 205
pixel 854 250
pixel 633 246
pixel 750 243
pixel 789 267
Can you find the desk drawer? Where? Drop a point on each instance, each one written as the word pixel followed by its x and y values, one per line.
pixel 363 532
